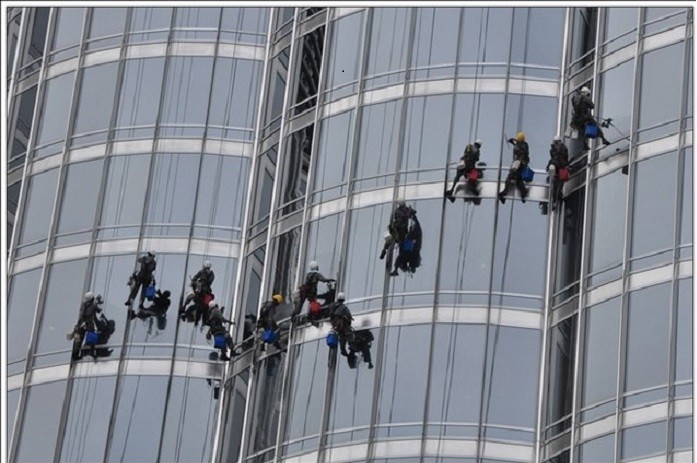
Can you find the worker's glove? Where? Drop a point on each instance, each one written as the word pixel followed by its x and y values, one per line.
pixel 208 335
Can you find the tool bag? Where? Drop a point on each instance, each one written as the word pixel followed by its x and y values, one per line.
pixel 527 174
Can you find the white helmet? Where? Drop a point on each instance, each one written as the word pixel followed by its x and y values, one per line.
pixel 88 296
pixel 556 138
pixel 341 297
pixel 207 264
pixel 478 142
pixel 212 304
pixel 387 235
pixel 314 267
pixel 151 252
pixel 585 91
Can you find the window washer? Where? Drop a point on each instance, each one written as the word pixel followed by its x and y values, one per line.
pixel 361 342
pixel 521 159
pixel 86 323
pixel 267 317
pixel 398 227
pixel 466 167
pixel 581 116
pixel 558 168
pixel 140 279
pixel 409 257
pixel 341 319
pixel 216 328
pixel 308 290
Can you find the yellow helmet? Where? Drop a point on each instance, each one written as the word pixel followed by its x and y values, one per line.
pixel 520 137
pixel 278 298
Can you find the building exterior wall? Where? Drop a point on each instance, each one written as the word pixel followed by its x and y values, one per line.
pixel 263 139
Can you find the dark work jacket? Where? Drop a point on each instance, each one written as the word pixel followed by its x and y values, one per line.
pixel 206 276
pixel 558 155
pixel 160 303
pixel 268 311
pixel 470 157
pixel 582 106
pixel 88 314
pixel 216 320
pixel 147 268
pixel 521 152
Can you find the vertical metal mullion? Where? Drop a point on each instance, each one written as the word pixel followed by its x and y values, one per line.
pixel 353 160
pixel 388 259
pixel 19 216
pixel 481 435
pixel 673 317
pixel 90 262
pixel 19 52
pixel 552 249
pixel 188 251
pixel 624 314
pixel 29 363
pixel 240 279
pixel 439 257
pixel 127 330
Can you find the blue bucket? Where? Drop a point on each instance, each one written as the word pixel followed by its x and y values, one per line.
pixel 219 341
pixel 269 336
pixel 91 338
pixel 332 339
pixel 408 245
pixel 527 174
pixel 591 131
pixel 150 292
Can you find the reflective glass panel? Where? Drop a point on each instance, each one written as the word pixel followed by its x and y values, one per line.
pixel 333 156
pixel 608 220
pixel 490 39
pixel 68 28
pixel 80 194
pixel 22 130
pixel 221 190
pixel 598 450
pixel 21 305
pixel 645 440
pixel 379 134
pixel 40 425
pixel 140 93
pixel 139 414
pixel 235 96
pixel 56 106
pixel 618 22
pixel 560 380
pixel 245 19
pixel 107 22
pixel 146 19
pixel 344 59
pixel 267 400
pixel 96 98
pixel 190 426
pixel 687 192
pixel 537 36
pixel 66 284
pixel 295 168
pixel 660 91
pixel 654 208
pixel 125 190
pixel 12 404
pixel 323 244
pixel 87 425
pixel 616 103
pixel 187 88
pixel 682 433
pixel 207 18
pixel 599 377
pixel 684 335
pixel 388 40
pixel 435 39
pixel 38 206
pixel 426 138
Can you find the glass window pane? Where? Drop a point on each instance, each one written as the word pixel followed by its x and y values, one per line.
pixel 598 450
pixel 221 190
pixel 245 19
pixel 61 308
pixel 286 264
pixel 333 155
pixel 56 106
pixel 600 351
pixel 388 40
pixel 455 391
pixel 640 441
pixel 68 27
pixel 619 21
pixel 96 98
pixel 187 89
pixel 560 379
pixel 296 165
pixel 660 91
pixel 197 17
pixel 684 336
pixel 426 137
pixel 608 220
pixel 20 313
pixel 538 36
pixel 264 423
pixel 687 192
pixel 107 21
pixel 364 274
pixel 22 130
pixel 513 358
pixel 12 404
pixel 86 429
pixel 682 433
pixel 125 190
pixel 140 92
pixel 307 392
pixel 276 87
pixel 488 36
pixel 379 134
pixel 323 243
pixel 38 206
pixel 616 101
pixel 654 208
pixel 41 419
pixel 435 38
pixel 172 192
pixel 344 53
pixel 35 47
pixel 139 414
pixel 235 96
pixel 264 185
pixel 82 184
pixel 190 426
pixel 402 386
pixel 147 19
pixel 647 337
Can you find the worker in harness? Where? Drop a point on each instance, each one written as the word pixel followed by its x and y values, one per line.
pixel 409 256
pixel 200 296
pixel 558 168
pixel 466 167
pixel 140 279
pixel 581 115
pixel 308 290
pixel 521 159
pixel 216 322
pixel 398 227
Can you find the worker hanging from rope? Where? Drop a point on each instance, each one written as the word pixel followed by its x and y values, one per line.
pixel 308 290
pixel 90 328
pixel 141 280
pixel 521 159
pixel 217 330
pixel 409 255
pixel 267 321
pixel 361 342
pixel 558 168
pixel 398 234
pixel 466 167
pixel 340 317
pixel 200 296
pixel 582 119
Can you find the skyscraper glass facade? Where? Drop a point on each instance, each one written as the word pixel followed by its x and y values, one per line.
pixel 262 139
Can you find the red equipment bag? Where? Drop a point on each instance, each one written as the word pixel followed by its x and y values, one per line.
pixel 207 298
pixel 315 308
pixel 472 175
pixel 564 174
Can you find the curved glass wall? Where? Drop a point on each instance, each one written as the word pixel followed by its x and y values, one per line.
pixel 141 136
